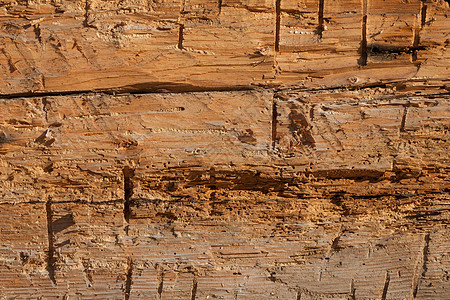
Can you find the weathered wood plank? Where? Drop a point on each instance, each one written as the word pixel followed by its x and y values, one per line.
pixel 99 45
pixel 224 149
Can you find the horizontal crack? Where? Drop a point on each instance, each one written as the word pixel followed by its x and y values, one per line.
pixel 158 88
pixel 180 199
pixel 174 88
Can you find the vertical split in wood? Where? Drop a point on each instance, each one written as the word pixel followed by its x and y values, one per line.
pixel 181 26
pixel 334 244
pixel 129 279
pixel 363 48
pixel 423 13
pixel 87 7
pixel 320 27
pixel 274 123
pixel 352 290
pixel 51 247
pixel 194 288
pixel 86 14
pixel 160 283
pixel 180 36
pixel 45 107
pixel 416 39
pixel 386 286
pixel 426 249
pixel 128 173
pixel 299 295
pixel 277 24
pixel 219 6
pixel 405 114
pixel 37 32
pixel 421 274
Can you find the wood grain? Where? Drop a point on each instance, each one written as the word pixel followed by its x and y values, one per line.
pixel 230 149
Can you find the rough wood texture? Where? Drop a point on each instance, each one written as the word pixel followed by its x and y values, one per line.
pixel 224 149
pixel 194 45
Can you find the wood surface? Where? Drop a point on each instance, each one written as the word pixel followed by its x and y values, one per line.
pixel 226 149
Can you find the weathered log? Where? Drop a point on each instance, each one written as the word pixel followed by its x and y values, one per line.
pixel 224 149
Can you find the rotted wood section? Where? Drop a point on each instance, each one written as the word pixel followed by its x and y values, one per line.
pixel 290 194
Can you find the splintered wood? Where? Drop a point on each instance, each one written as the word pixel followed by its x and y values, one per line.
pixel 226 149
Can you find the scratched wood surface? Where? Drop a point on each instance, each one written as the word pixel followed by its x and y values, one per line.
pixel 191 45
pixel 231 149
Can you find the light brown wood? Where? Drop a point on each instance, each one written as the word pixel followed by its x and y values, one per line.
pixel 224 149
pixel 193 45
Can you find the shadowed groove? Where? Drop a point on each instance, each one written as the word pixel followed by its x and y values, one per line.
pixel 160 282
pixel 181 26
pixel 386 286
pixel 194 288
pixel 405 114
pixel 425 252
pixel 129 279
pixel 51 247
pixel 277 24
pixel 416 38
pixel 352 290
pixel 320 27
pixel 128 173
pixel 363 44
pixel 180 36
